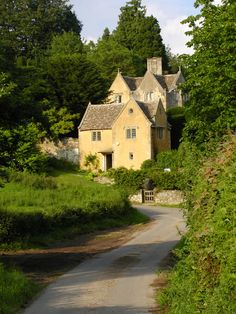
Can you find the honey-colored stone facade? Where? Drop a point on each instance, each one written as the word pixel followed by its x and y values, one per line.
pixel 132 125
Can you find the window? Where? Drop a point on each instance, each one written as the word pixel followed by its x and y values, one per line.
pixel 130 133
pixel 131 156
pixel 149 96
pixel 118 99
pixel 160 133
pixel 131 110
pixel 96 136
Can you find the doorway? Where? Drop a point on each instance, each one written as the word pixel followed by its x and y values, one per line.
pixel 108 161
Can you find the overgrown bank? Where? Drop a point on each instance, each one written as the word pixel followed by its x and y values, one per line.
pixel 203 280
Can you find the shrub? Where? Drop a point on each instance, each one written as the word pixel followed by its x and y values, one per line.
pixel 91 162
pixel 167 180
pixel 168 159
pixel 149 163
pixel 205 272
pixel 18 148
pixel 129 178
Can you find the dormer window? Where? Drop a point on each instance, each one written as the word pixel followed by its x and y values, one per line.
pixel 149 96
pixel 118 99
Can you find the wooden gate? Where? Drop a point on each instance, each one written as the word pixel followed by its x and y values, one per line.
pixel 148 196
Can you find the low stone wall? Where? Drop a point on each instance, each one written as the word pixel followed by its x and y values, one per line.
pixel 170 197
pixel 67 149
pixel 136 198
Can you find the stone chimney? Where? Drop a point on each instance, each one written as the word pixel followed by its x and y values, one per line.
pixel 155 65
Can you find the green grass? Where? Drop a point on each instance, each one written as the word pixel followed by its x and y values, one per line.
pixel 37 209
pixel 15 290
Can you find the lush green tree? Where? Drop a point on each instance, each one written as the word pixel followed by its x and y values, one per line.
pixel 75 81
pixel 18 148
pixel 211 86
pixel 109 56
pixel 27 26
pixel 65 44
pixel 140 33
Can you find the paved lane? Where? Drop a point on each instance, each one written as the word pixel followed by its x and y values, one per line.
pixel 118 281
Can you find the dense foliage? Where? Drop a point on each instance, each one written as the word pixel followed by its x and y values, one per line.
pixel 203 280
pixel 211 79
pixel 153 170
pixel 140 33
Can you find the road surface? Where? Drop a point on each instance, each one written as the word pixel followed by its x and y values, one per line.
pixel 118 281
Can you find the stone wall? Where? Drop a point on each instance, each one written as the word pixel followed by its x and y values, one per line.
pixel 170 197
pixel 67 149
pixel 137 198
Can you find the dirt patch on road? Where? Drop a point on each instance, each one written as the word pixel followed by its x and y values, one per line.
pixel 45 265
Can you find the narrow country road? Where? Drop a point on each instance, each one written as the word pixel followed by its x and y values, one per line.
pixel 118 281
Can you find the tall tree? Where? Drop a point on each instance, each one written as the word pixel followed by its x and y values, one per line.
pixel 211 85
pixel 140 33
pixel 109 56
pixel 28 25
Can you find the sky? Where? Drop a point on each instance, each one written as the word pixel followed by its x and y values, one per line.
pixel 95 15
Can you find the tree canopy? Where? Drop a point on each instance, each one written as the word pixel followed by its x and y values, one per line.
pixel 140 33
pixel 211 109
pixel 28 26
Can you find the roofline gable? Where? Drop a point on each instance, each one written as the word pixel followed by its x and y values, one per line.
pixel 136 104
pixel 84 115
pixel 153 77
pixel 120 76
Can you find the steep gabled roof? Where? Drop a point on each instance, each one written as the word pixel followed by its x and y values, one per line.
pixel 149 109
pixel 133 82
pixel 170 80
pixel 161 80
pixel 100 117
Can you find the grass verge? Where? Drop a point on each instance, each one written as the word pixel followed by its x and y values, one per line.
pixel 15 290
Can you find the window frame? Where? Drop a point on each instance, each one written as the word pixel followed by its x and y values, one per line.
pixel 96 136
pixel 131 133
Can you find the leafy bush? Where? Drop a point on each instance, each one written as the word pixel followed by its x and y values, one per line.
pixel 129 178
pixel 91 162
pixel 168 159
pixel 167 180
pixel 205 272
pixel 18 148
pixel 149 163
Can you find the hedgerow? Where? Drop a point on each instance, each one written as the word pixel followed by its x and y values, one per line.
pixel 203 280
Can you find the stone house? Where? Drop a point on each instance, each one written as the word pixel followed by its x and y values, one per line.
pixel 132 126
pixel 151 88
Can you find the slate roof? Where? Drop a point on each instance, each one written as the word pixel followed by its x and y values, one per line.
pixel 161 80
pixel 133 82
pixel 170 80
pixel 100 117
pixel 149 109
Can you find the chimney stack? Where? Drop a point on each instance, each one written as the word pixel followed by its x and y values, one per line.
pixel 155 65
